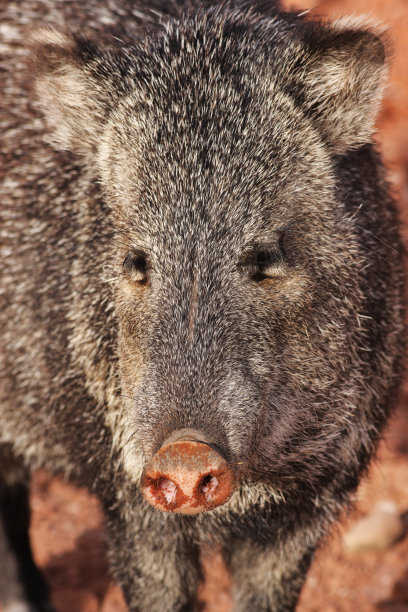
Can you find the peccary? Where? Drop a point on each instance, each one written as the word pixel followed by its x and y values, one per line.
pixel 202 288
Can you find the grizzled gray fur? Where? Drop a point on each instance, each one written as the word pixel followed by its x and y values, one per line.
pixel 196 232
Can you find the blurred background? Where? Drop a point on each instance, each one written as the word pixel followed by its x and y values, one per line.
pixel 363 566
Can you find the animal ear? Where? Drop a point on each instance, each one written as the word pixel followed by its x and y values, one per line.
pixel 74 102
pixel 343 81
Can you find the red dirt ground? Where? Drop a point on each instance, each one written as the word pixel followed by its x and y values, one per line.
pixel 67 533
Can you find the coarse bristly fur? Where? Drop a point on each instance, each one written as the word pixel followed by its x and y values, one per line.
pixel 196 231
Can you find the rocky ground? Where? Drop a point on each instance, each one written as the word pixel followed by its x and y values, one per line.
pixel 67 532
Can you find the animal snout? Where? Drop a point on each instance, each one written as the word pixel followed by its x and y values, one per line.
pixel 187 475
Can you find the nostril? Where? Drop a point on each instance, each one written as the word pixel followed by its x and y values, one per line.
pixel 163 488
pixel 169 490
pixel 208 486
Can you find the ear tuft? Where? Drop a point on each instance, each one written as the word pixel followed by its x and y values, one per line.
pixel 51 37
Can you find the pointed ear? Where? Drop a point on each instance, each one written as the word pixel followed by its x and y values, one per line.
pixel 73 100
pixel 343 82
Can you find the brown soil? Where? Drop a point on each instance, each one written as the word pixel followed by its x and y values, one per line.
pixel 67 533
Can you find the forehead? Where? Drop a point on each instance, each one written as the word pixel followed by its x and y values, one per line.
pixel 213 140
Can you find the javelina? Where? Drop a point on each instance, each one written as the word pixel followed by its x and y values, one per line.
pixel 201 304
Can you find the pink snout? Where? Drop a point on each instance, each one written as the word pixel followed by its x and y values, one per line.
pixel 187 476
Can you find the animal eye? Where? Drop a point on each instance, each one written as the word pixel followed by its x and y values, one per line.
pixel 268 263
pixel 135 265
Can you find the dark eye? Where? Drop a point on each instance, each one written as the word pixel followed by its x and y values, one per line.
pixel 268 263
pixel 135 265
